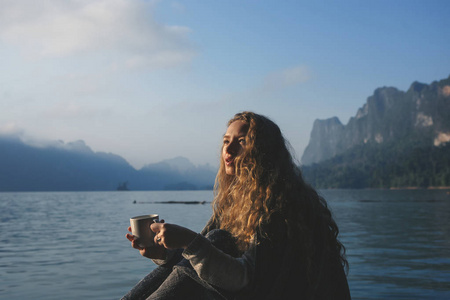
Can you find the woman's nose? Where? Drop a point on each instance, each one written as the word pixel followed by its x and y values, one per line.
pixel 231 148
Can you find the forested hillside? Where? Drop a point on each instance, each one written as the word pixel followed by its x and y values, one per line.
pixel 387 166
pixel 396 140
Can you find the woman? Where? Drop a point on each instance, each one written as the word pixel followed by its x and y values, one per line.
pixel 270 236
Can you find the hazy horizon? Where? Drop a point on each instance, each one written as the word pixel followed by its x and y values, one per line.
pixel 153 80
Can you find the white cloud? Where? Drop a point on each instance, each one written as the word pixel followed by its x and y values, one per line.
pixel 11 128
pixel 124 29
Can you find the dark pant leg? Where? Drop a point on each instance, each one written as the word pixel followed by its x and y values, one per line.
pixel 149 284
pixel 184 283
pixel 152 281
pixel 172 283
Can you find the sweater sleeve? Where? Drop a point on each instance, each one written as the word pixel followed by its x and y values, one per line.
pixel 170 253
pixel 218 268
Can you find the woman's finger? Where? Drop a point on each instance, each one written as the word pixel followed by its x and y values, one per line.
pixel 129 228
pixel 156 227
pixel 135 245
pixel 133 241
pixel 130 237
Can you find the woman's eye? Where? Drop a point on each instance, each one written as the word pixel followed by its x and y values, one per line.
pixel 242 141
pixel 225 142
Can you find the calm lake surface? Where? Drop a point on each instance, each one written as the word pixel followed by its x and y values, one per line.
pixel 72 245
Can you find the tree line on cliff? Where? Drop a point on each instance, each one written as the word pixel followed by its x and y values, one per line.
pixel 396 140
pixel 387 166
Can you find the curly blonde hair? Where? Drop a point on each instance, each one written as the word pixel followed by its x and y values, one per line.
pixel 268 185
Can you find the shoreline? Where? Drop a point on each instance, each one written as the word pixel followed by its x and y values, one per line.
pixel 393 188
pixel 421 188
pixel 164 190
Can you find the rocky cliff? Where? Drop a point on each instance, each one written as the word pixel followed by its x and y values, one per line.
pixel 420 115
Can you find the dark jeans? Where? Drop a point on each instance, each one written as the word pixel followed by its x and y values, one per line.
pixel 178 280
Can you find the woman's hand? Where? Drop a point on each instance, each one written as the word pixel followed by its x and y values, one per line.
pixel 172 236
pixel 155 252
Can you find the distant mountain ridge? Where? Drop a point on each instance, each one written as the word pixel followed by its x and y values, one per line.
pixel 397 139
pixel 75 167
pixel 422 113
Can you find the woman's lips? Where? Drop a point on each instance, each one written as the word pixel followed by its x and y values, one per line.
pixel 229 161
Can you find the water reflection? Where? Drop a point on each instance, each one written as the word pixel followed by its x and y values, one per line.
pixel 72 245
pixel 397 241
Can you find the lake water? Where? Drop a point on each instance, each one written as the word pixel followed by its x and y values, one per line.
pixel 72 245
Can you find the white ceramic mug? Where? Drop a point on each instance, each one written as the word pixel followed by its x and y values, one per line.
pixel 140 228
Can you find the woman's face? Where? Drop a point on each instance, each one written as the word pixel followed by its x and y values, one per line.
pixel 233 144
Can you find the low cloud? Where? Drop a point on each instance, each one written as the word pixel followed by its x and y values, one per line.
pixel 124 29
pixel 11 129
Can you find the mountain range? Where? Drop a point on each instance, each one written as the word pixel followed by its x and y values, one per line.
pixel 75 167
pixel 397 139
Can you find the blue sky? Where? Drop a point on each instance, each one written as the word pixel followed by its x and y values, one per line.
pixel 151 80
